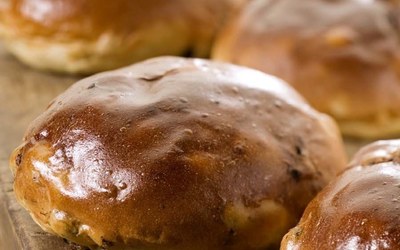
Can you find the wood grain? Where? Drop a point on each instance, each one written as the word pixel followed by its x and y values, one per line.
pixel 24 94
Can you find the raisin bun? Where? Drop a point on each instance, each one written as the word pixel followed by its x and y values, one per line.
pixel 359 210
pixel 85 36
pixel 343 56
pixel 175 153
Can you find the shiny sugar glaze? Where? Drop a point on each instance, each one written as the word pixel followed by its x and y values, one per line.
pixel 360 209
pixel 176 153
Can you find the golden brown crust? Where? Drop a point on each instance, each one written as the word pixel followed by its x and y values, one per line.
pixel 84 36
pixel 175 153
pixel 342 56
pixel 359 210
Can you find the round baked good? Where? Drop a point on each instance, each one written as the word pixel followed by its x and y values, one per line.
pixel 359 210
pixel 343 56
pixel 85 36
pixel 176 153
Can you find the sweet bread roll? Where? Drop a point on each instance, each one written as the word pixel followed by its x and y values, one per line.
pixel 343 56
pixel 175 153
pixel 85 36
pixel 359 210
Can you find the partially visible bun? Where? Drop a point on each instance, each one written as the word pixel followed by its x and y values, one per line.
pixel 359 210
pixel 343 56
pixel 176 153
pixel 85 36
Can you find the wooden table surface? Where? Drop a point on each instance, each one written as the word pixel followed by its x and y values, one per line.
pixel 24 94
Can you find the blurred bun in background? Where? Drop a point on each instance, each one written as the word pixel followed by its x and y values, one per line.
pixel 343 56
pixel 87 36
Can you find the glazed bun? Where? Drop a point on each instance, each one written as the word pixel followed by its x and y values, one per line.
pixel 85 36
pixel 176 153
pixel 359 210
pixel 343 56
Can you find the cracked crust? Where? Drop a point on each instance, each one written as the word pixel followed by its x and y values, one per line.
pixel 175 153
